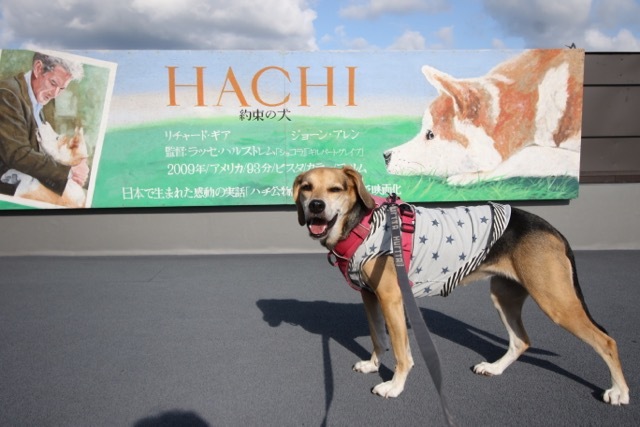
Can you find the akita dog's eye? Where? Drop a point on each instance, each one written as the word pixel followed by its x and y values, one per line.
pixel 429 135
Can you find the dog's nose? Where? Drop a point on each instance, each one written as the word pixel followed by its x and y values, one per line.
pixel 316 206
pixel 387 157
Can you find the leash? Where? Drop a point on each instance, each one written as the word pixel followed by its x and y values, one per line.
pixel 420 330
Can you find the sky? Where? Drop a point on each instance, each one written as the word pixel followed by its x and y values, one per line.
pixel 313 25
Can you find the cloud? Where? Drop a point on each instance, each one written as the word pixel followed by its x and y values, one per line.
pixel 612 25
pixel 159 24
pixel 368 9
pixel 346 42
pixel 590 24
pixel 614 13
pixel 410 40
pixel 445 36
pixel 542 23
pixel 413 40
pixel 623 41
pixel 498 44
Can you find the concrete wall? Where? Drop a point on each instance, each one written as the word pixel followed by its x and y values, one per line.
pixel 605 216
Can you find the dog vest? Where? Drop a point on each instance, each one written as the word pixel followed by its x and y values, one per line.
pixel 448 244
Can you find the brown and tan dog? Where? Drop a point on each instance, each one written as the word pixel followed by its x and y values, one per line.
pixel 530 258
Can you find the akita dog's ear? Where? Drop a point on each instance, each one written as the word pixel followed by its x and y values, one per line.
pixel 464 95
pixel 364 196
pixel 296 193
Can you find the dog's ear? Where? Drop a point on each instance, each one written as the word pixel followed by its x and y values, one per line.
pixel 364 196
pixel 296 193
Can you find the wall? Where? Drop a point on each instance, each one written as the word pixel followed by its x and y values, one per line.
pixel 605 216
pixel 610 126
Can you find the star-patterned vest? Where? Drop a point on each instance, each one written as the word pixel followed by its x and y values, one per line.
pixel 448 244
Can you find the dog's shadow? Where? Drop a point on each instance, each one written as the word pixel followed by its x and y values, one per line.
pixel 345 322
pixel 332 321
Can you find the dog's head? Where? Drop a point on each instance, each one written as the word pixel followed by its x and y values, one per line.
pixel 69 150
pixel 456 136
pixel 73 148
pixel 331 202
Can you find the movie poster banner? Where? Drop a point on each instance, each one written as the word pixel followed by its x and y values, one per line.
pixel 132 129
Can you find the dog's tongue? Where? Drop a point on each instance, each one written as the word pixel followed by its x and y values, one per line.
pixel 317 226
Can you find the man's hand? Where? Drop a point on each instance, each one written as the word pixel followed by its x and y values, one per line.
pixel 80 172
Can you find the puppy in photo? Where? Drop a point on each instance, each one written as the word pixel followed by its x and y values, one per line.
pixel 69 150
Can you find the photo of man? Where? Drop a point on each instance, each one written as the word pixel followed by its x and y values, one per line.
pixel 36 161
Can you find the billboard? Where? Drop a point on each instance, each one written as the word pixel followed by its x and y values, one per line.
pixel 228 128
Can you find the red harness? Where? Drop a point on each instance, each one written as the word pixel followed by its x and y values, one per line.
pixel 344 249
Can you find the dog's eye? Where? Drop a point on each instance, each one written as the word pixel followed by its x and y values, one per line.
pixel 335 189
pixel 306 187
pixel 429 135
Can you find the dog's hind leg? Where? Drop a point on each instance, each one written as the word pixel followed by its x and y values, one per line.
pixel 582 327
pixel 569 313
pixel 378 333
pixel 508 298
pixel 552 283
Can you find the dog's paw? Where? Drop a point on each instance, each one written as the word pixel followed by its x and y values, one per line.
pixel 366 367
pixel 616 396
pixel 388 389
pixel 487 369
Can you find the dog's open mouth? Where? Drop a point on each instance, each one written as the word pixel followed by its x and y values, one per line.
pixel 319 227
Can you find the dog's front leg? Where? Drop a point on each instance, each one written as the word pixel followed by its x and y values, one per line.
pixel 377 331
pixel 382 278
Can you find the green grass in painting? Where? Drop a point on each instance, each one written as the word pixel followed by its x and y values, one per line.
pixel 433 189
pixel 137 157
pixel 5 205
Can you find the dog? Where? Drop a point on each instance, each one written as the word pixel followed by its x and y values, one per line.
pixel 529 257
pixel 64 149
pixel 522 119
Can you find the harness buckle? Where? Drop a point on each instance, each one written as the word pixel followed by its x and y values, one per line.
pixel 333 261
pixel 408 228
pixel 407 213
pixel 408 218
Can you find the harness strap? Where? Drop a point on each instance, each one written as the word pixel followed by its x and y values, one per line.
pixel 418 325
pixel 407 227
pixel 345 249
pixel 341 254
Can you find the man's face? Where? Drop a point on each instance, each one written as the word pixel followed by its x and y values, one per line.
pixel 47 86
